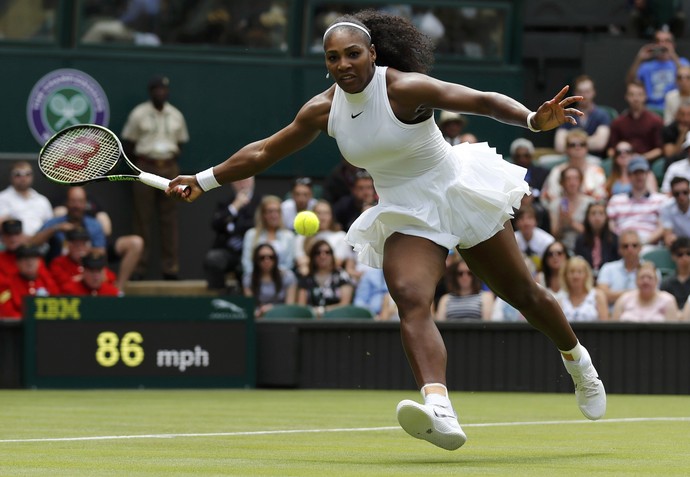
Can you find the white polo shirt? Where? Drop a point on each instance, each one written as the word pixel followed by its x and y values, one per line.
pixel 33 210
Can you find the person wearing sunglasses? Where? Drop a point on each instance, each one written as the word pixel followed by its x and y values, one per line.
pixel 326 286
pixel 465 299
pixel 619 180
pixel 618 276
pixel 577 155
pixel 678 284
pixel 675 214
pixel 268 283
pixel 20 201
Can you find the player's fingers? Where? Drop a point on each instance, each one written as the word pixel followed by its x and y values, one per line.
pixel 561 94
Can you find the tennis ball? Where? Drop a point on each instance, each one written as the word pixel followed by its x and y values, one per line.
pixel 306 223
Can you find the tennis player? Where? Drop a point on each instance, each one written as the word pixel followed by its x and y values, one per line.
pixel 432 197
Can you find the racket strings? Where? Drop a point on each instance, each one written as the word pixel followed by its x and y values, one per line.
pixel 79 154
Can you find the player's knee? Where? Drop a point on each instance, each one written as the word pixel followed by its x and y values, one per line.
pixel 408 295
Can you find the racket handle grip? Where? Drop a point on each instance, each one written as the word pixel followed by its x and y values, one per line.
pixel 157 181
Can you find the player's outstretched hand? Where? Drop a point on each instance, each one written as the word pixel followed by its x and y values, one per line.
pixel 557 111
pixel 189 192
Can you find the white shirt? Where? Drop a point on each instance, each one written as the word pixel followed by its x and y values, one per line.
pixel 538 243
pixel 33 210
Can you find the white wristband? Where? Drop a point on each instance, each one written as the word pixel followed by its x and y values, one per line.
pixel 207 180
pixel 529 122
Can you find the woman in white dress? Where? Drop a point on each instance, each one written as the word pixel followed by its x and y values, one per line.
pixel 432 197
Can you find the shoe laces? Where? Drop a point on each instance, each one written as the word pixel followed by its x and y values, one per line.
pixel 588 383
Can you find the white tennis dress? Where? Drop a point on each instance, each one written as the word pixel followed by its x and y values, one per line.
pixel 451 195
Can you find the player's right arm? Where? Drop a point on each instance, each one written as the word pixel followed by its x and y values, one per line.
pixel 260 155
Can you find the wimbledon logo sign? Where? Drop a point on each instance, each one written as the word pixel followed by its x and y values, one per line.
pixel 63 98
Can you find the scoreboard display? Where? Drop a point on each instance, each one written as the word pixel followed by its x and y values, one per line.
pixel 139 342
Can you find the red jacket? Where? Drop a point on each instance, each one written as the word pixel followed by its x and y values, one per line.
pixel 13 289
pixel 67 271
pixel 79 288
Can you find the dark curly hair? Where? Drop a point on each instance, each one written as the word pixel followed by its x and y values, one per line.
pixel 398 43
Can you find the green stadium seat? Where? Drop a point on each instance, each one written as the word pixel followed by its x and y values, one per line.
pixel 613 114
pixel 659 169
pixel 607 165
pixel 661 258
pixel 290 312
pixel 349 312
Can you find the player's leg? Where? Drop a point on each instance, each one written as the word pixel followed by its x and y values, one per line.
pixel 412 267
pixel 500 264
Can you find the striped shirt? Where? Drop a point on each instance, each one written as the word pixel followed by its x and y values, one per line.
pixel 642 214
pixel 465 307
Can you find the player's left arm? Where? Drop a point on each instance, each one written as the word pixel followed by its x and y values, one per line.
pixel 419 92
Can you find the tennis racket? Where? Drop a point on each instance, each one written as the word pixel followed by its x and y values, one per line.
pixel 89 153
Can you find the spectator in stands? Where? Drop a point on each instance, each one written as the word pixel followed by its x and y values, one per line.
pixel 371 291
pixel 361 197
pixel 12 238
pixel 619 180
pixel 578 297
pixel 268 283
pixel 94 280
pixel 646 303
pixel 153 137
pixel 598 244
pixel 68 268
pixel 24 282
pixel 593 176
pixel 230 222
pixel 678 285
pixel 679 168
pixel 639 209
pixel 20 201
pixel 53 231
pixel 675 214
pixel 678 96
pixel 522 154
pixel 465 299
pixel 451 125
pixel 637 125
pixel 330 231
pixel 568 214
pixel 552 262
pixel 673 135
pixel 301 199
pixel 531 240
pixel 618 276
pixel 126 249
pixel 327 286
pixel 268 228
pixel 595 121
pixel 655 66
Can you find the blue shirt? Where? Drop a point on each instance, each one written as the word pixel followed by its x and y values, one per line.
pixel 659 77
pixel 370 290
pixel 92 226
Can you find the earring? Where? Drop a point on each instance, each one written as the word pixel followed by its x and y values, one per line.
pixel 328 75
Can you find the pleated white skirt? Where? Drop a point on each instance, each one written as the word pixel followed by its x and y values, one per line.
pixel 463 200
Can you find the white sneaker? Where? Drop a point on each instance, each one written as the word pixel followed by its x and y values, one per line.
pixel 434 423
pixel 589 390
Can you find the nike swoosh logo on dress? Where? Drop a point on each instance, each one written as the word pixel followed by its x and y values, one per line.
pixel 355 115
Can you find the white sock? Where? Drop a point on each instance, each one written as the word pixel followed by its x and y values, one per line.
pixel 434 398
pixel 575 353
